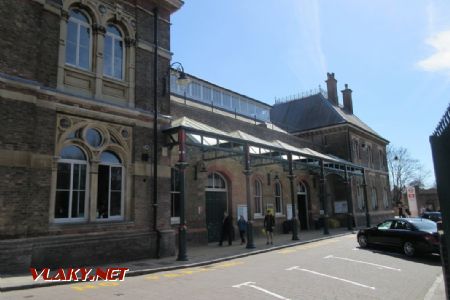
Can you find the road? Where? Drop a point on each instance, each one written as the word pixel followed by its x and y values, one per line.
pixel 330 269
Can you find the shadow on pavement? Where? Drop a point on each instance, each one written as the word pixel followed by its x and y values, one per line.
pixel 428 259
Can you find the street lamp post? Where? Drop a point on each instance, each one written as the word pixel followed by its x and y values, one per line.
pixel 182 164
pixel 291 177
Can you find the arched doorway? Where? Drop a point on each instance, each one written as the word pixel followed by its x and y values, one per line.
pixel 302 204
pixel 216 203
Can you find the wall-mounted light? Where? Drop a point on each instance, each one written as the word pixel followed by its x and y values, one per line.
pixel 145 152
pixel 200 167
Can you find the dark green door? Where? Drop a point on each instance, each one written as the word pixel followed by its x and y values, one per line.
pixel 216 205
pixel 302 211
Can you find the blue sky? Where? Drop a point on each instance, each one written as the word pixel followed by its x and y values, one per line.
pixel 395 56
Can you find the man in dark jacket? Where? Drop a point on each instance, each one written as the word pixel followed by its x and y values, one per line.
pixel 269 223
pixel 227 229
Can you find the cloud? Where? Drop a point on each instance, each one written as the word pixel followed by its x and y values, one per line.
pixel 440 60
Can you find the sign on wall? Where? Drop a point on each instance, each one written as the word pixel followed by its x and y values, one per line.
pixel 289 211
pixel 340 207
pixel 241 211
pixel 412 201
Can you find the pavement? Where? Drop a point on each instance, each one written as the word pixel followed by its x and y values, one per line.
pixel 206 255
pixel 197 256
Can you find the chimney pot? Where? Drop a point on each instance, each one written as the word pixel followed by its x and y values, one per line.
pixel 348 102
pixel 332 89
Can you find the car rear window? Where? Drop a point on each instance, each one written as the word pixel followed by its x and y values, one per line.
pixel 424 225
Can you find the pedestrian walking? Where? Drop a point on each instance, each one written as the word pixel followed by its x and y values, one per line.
pixel 242 224
pixel 227 229
pixel 269 223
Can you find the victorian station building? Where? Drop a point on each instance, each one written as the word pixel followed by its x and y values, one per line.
pixel 107 155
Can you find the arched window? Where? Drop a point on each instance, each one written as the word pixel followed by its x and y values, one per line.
pixel 110 186
pixel 360 197
pixel 278 200
pixel 374 199
pixel 381 159
pixel 385 199
pixel 301 189
pixel 70 200
pixel 355 149
pixel 114 54
pixel 216 182
pixel 258 197
pixel 78 43
pixel 370 156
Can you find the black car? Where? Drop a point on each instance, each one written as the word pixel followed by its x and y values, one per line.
pixel 432 215
pixel 412 235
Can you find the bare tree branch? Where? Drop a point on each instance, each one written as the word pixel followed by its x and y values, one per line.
pixel 403 170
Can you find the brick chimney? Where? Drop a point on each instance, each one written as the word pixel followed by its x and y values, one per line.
pixel 348 102
pixel 332 89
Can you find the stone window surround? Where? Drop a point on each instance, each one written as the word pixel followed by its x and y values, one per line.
pixel 280 196
pixel 92 83
pixel 259 198
pixel 122 150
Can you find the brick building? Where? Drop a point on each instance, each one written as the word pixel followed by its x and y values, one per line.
pixel 321 119
pixel 78 79
pixel 314 129
pixel 80 133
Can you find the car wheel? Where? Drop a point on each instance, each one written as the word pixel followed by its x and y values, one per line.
pixel 362 241
pixel 409 249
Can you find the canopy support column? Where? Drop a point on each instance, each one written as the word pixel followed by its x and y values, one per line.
pixel 291 177
pixel 348 193
pixel 323 198
pixel 366 201
pixel 247 173
pixel 182 164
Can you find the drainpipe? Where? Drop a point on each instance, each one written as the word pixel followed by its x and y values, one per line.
pixel 155 133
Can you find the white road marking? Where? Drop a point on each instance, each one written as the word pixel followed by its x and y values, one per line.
pixel 431 291
pixel 363 262
pixel 252 284
pixel 332 277
pixel 355 249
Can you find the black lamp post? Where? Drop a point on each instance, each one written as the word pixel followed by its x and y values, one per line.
pixel 291 177
pixel 182 164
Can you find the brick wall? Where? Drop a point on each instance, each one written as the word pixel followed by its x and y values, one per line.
pixel 29 47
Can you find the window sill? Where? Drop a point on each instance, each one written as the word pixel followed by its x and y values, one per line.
pixel 61 221
pixel 258 216
pixel 121 82
pixel 79 70
pixel 279 215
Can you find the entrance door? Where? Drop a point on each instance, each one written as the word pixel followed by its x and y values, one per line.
pixel 302 204
pixel 216 205
pixel 302 211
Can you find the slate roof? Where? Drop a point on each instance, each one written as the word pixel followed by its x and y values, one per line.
pixel 313 112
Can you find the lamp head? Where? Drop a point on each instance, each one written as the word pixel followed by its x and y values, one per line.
pixel 182 79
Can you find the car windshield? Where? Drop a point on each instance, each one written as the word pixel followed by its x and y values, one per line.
pixel 424 225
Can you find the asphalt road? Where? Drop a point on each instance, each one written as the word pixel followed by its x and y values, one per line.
pixel 329 269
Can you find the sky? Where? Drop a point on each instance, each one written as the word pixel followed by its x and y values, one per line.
pixel 394 55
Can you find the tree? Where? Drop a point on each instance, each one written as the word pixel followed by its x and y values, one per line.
pixel 403 170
